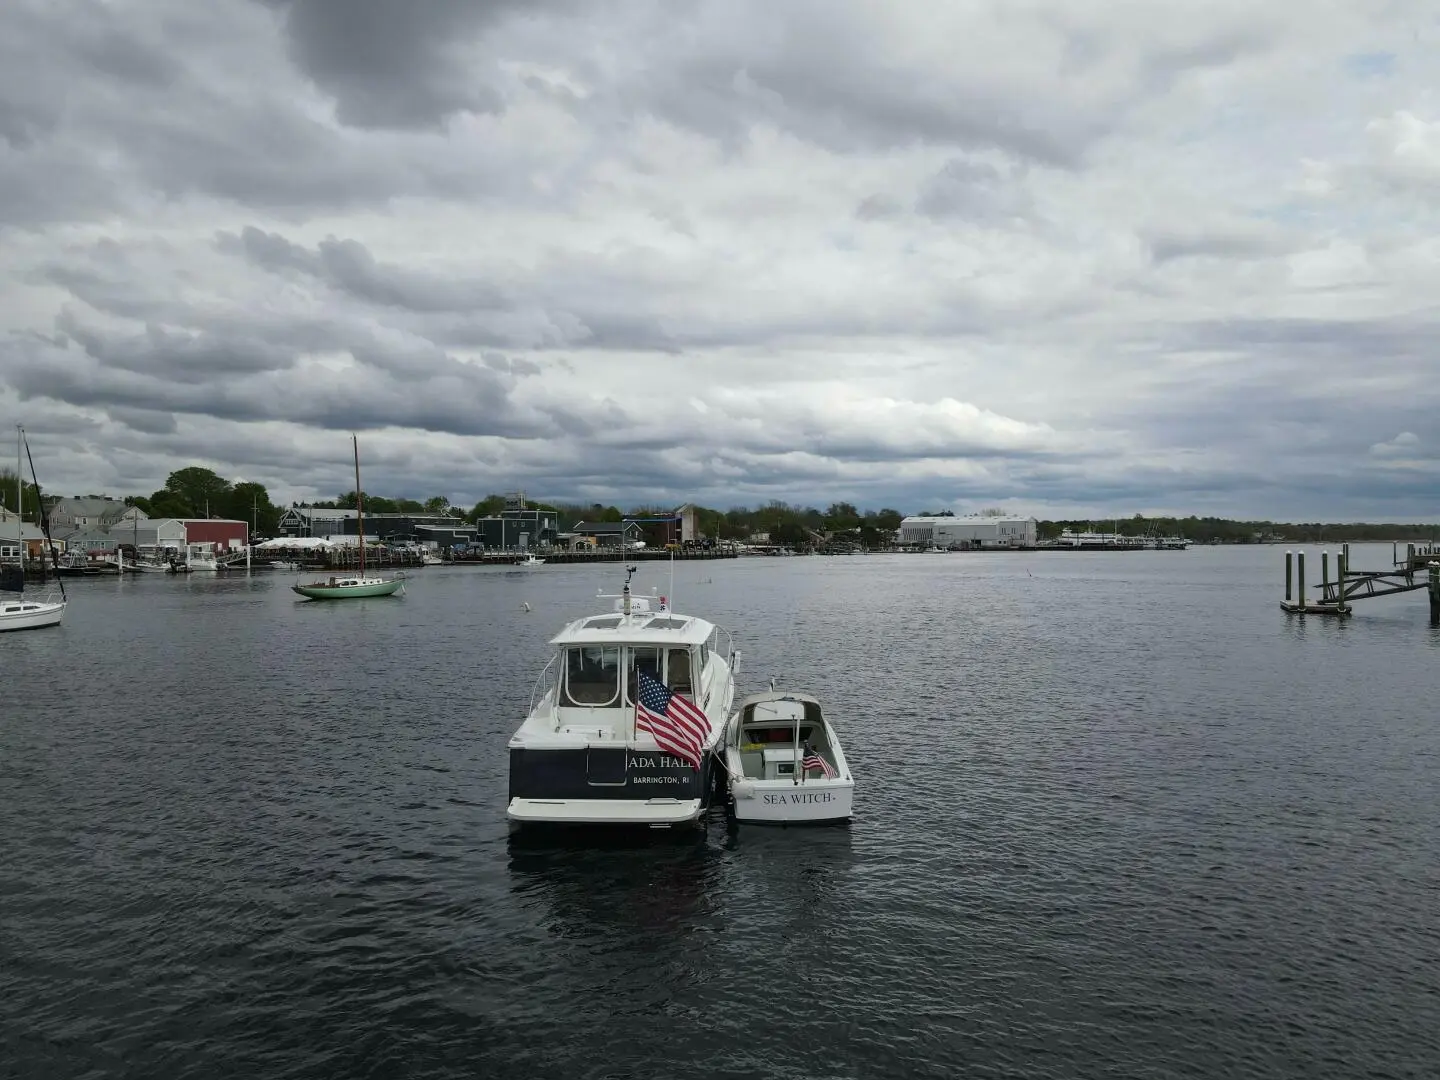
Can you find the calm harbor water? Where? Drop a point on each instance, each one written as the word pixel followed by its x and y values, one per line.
pixel 1118 816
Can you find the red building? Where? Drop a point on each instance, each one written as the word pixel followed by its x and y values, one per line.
pixel 222 534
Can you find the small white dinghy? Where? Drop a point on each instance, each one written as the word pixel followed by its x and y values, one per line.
pixel 785 763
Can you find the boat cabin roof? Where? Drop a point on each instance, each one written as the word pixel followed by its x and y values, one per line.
pixel 641 627
pixel 778 706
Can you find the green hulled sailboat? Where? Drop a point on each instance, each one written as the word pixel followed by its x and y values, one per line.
pixel 343 587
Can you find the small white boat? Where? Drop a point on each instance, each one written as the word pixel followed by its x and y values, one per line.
pixel 530 560
pixel 23 614
pixel 785 763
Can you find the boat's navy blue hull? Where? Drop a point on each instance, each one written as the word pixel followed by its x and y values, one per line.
pixel 605 773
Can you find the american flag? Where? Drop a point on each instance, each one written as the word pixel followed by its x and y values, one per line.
pixel 813 760
pixel 677 725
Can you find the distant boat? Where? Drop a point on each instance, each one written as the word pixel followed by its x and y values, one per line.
pixel 18 613
pixel 530 560
pixel 355 585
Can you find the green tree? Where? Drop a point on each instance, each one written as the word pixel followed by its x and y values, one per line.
pixel 8 481
pixel 250 501
pixel 888 520
pixel 166 504
pixel 486 507
pixel 841 517
pixel 205 491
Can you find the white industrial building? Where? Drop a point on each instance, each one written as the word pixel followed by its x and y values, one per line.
pixel 970 532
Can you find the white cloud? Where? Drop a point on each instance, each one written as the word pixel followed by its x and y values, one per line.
pixel 1076 258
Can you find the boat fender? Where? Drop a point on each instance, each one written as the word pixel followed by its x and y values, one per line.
pixel 743 789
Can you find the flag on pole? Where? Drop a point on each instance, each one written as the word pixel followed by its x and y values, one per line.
pixel 679 727
pixel 814 760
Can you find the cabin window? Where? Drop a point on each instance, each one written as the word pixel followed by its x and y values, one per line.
pixel 592 675
pixel 677 672
pixel 643 659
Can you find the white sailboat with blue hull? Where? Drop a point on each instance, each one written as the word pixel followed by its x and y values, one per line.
pixel 584 756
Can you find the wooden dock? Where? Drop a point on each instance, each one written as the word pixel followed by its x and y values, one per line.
pixel 598 555
pixel 1419 570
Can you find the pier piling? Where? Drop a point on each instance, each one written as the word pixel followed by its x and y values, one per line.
pixel 1435 594
pixel 1300 580
pixel 1342 566
pixel 1289 576
pixel 1324 573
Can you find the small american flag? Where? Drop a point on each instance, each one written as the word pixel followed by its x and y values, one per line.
pixel 677 725
pixel 814 760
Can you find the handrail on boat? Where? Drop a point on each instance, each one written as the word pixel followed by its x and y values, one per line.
pixel 538 679
pixel 729 642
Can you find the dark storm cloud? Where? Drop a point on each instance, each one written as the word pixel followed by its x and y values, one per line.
pixel 397 65
pixel 235 376
pixel 177 356
pixel 145 421
pixel 348 265
pixel 100 102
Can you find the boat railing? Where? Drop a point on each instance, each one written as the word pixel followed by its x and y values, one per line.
pixel 732 655
pixel 538 680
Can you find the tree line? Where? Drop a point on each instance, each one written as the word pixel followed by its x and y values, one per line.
pixel 199 492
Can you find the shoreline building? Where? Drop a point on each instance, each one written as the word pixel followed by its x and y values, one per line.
pixel 518 527
pixel 979 531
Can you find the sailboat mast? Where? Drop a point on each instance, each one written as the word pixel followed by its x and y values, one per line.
pixel 359 507
pixel 19 475
pixel 43 520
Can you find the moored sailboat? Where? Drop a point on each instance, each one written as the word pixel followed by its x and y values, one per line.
pixel 19 612
pixel 356 586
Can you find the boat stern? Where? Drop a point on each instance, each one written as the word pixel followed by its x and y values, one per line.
pixel 659 813
pixel 783 802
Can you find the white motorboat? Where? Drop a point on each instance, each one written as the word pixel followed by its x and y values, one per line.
pixel 201 557
pixel 529 560
pixel 632 712
pixel 785 763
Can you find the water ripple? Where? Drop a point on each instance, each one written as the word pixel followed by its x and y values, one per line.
pixel 1118 816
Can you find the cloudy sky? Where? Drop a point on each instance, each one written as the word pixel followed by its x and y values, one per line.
pixel 1071 258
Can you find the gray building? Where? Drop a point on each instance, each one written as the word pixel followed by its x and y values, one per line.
pixel 609 533
pixel 90 512
pixel 518 529
pixel 316 521
pixel 444 530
